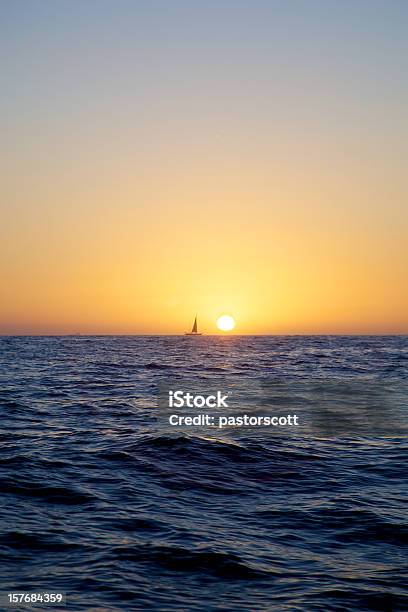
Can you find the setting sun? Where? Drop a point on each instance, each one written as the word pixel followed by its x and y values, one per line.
pixel 225 323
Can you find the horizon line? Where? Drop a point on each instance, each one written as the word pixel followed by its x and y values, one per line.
pixel 80 334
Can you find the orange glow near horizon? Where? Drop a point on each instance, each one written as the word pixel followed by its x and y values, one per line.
pixel 103 275
pixel 107 265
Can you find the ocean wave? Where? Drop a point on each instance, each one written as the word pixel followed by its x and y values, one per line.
pixel 50 494
pixel 180 559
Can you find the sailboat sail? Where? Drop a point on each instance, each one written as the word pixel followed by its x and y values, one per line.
pixel 194 331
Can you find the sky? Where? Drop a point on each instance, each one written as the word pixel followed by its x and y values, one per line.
pixel 161 159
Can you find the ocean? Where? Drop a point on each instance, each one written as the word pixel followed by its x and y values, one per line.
pixel 102 502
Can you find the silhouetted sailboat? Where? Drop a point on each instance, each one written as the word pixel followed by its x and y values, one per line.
pixel 194 331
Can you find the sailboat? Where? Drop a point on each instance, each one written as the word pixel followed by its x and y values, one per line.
pixel 194 331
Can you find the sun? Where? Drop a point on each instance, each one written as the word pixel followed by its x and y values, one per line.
pixel 225 323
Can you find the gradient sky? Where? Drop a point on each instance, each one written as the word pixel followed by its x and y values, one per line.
pixel 162 158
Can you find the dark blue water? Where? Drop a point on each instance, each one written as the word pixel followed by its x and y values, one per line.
pixel 98 502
